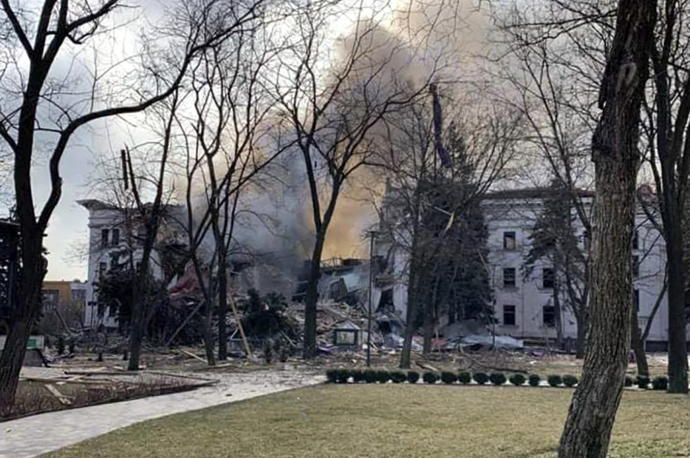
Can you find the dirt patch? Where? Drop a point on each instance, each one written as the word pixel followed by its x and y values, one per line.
pixel 41 393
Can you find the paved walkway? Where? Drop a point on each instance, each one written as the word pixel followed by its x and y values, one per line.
pixel 43 433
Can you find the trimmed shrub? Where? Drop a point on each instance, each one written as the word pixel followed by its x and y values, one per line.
pixel 517 379
pixel 448 377
pixel 660 383
pixel 412 377
pixel 554 380
pixel 465 378
pixel 398 377
pixel 480 377
pixel 569 381
pixel 357 375
pixel 383 376
pixel 370 376
pixel 331 375
pixel 534 380
pixel 643 382
pixel 430 377
pixel 342 376
pixel 497 378
pixel 629 381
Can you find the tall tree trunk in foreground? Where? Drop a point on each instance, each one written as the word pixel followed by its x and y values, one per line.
pixel 593 408
pixel 26 311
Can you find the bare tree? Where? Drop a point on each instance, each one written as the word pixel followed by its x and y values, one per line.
pixel 431 206
pixel 229 139
pixel 332 103
pixel 571 40
pixel 55 29
pixel 556 55
pixel 616 157
pixel 667 127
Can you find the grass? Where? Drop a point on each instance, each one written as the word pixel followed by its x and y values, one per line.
pixel 396 421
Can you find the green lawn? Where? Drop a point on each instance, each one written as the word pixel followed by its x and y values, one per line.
pixel 396 421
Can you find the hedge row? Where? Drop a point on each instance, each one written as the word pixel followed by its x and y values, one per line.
pixel 465 378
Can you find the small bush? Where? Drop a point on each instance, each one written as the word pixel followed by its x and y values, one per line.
pixel 554 380
pixel 629 381
pixel 660 383
pixel 643 382
pixel 465 378
pixel 413 377
pixel 448 377
pixel 398 377
pixel 534 380
pixel 517 379
pixel 370 376
pixel 383 376
pixel 331 375
pixel 357 375
pixel 569 381
pixel 497 378
pixel 480 377
pixel 342 376
pixel 430 377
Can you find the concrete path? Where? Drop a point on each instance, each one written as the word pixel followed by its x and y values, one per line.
pixel 43 433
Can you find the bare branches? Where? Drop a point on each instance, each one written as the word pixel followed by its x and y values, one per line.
pixel 18 30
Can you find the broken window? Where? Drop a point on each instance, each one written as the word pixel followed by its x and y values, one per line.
pixel 509 240
pixel 104 238
pixel 548 278
pixel 509 277
pixel 549 316
pixel 509 315
pixel 102 267
pixel 115 237
pixel 386 300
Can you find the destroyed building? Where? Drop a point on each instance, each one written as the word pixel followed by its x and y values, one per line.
pixel 112 231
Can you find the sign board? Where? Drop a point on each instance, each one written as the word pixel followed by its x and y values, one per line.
pixel 34 343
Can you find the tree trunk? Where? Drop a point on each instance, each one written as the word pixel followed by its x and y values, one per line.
pixel 411 313
pixel 430 317
pixel 557 317
pixel 136 333
pixel 581 342
pixel 26 310
pixel 638 345
pixel 222 304
pixel 312 297
pixel 11 363
pixel 140 307
pixel 587 430
pixel 208 334
pixel 677 346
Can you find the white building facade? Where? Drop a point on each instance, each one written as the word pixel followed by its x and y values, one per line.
pixel 523 302
pixel 111 232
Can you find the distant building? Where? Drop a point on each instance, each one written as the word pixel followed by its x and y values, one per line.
pixel 114 232
pixel 523 304
pixel 60 292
